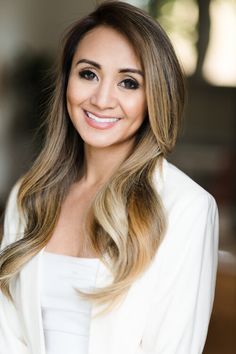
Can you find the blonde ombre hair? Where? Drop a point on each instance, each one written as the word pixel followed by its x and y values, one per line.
pixel 126 221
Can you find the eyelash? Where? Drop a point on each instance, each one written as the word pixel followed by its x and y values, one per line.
pixel 132 84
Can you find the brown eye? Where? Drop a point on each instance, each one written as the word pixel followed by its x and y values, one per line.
pixel 130 84
pixel 87 74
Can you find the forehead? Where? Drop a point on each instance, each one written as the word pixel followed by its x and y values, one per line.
pixel 106 45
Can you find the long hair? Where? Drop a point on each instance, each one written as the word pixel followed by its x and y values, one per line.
pixel 126 220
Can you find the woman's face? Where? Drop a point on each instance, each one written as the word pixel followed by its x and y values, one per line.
pixel 105 94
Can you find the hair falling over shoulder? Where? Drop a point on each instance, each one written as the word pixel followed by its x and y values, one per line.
pixel 127 220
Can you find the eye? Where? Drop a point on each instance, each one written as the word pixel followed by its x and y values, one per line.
pixel 87 74
pixel 130 84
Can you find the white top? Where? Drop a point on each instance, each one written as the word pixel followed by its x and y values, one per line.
pixel 65 316
pixel 166 310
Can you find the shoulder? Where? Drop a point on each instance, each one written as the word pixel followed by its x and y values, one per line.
pixel 191 212
pixel 178 191
pixel 192 220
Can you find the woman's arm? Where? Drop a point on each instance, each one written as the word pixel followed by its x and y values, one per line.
pixel 182 303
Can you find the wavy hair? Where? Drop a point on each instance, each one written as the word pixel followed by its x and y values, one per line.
pixel 126 220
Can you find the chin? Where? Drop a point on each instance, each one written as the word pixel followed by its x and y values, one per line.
pixel 98 144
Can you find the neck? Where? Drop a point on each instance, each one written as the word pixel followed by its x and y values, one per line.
pixel 101 163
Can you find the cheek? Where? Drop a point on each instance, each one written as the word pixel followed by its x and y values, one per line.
pixel 136 107
pixel 71 93
pixel 72 100
pixel 69 96
pixel 75 94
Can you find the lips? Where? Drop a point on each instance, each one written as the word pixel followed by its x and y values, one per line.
pixel 100 122
pixel 101 119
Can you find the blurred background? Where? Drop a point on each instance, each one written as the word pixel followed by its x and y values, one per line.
pixel 204 36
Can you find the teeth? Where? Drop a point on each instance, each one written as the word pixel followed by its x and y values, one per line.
pixel 101 120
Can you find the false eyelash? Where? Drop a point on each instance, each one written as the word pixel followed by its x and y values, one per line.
pixel 83 73
pixel 133 82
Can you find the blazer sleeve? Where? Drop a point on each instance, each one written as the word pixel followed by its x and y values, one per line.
pixel 12 227
pixel 11 335
pixel 183 298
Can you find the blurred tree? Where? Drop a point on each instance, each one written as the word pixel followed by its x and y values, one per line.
pixel 203 34
pixel 202 27
pixel 153 7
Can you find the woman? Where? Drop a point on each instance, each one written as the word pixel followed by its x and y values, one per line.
pixel 107 247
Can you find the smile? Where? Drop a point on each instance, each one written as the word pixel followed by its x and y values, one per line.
pixel 100 119
pixel 100 123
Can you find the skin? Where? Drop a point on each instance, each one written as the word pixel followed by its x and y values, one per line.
pixel 102 91
pixel 105 91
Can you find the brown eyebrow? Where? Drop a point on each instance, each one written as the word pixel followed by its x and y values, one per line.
pixel 98 66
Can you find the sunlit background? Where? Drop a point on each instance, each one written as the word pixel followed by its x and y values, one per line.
pixel 203 33
pixel 181 19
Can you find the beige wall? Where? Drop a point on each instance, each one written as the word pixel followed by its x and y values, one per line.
pixel 29 27
pixel 36 24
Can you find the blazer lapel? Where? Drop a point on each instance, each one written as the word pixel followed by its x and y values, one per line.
pixel 29 304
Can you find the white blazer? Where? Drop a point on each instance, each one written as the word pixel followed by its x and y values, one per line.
pixel 166 311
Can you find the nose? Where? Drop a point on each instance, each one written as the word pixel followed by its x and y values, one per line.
pixel 103 96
